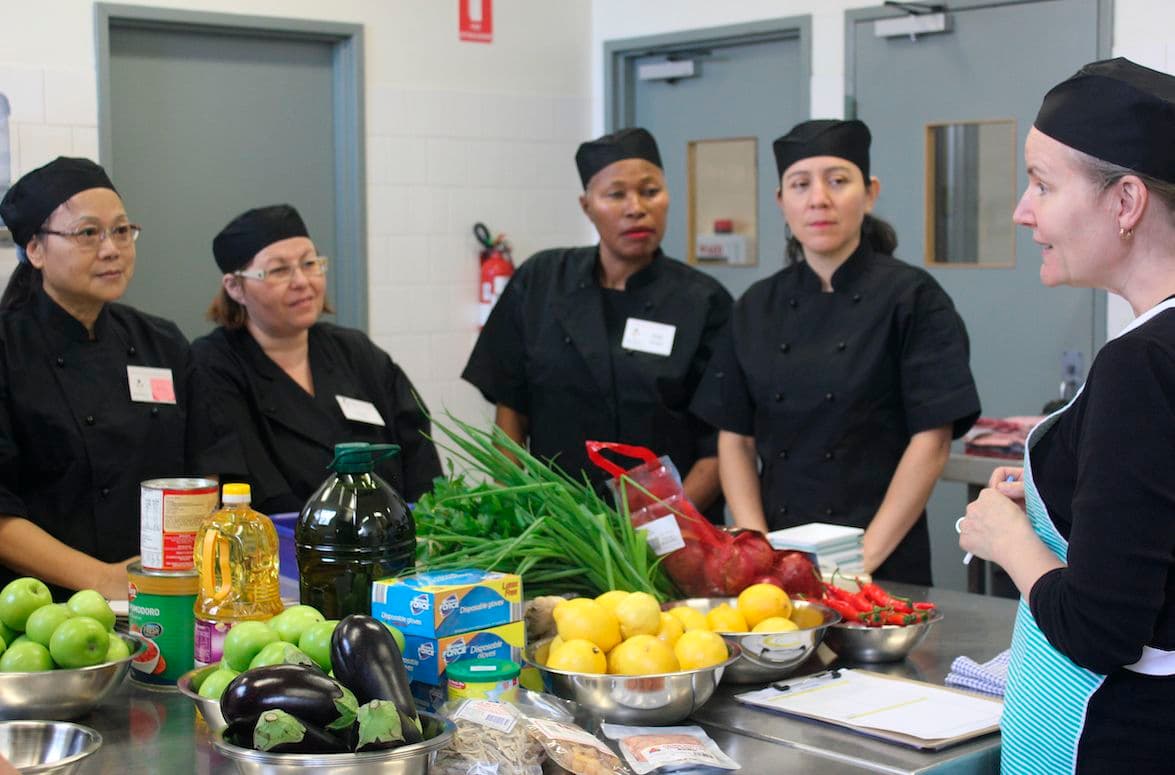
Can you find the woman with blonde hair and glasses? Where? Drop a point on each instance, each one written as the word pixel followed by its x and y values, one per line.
pixel 95 396
pixel 292 386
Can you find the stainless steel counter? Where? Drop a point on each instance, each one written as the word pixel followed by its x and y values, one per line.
pixel 158 731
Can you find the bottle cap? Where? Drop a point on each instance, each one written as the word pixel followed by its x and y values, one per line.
pixel 235 493
pixel 483 670
pixel 360 457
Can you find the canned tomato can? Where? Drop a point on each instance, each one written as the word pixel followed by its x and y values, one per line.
pixel 161 609
pixel 170 513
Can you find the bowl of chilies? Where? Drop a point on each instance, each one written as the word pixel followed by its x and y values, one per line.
pixel 876 626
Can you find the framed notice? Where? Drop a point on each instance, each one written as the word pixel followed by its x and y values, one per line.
pixel 723 202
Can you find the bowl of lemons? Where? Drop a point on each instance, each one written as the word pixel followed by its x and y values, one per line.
pixel 774 634
pixel 628 661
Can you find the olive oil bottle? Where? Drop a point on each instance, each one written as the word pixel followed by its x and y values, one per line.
pixel 355 529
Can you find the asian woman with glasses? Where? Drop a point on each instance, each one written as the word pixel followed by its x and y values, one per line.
pixel 95 396
pixel 291 385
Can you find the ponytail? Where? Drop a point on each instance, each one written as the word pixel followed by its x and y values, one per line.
pixel 876 233
pixel 22 285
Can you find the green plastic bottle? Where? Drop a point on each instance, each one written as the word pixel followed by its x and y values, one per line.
pixel 355 529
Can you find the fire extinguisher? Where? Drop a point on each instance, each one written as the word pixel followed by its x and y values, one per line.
pixel 497 267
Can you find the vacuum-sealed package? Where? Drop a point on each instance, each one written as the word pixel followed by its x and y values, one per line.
pixel 668 749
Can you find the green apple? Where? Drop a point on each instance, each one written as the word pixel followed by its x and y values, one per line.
pixel 7 633
pixel 280 653
pixel 399 636
pixel 26 657
pixel 118 648
pixel 292 622
pixel 244 641
pixel 3 646
pixel 20 598
pixel 216 682
pixel 45 620
pixel 89 602
pixel 22 638
pixel 79 642
pixel 315 642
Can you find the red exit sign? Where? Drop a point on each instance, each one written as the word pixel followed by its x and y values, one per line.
pixel 476 20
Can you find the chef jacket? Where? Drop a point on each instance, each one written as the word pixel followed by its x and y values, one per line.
pixel 833 385
pixel 553 350
pixel 282 438
pixel 74 445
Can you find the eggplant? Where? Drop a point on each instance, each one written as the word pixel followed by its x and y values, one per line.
pixel 304 692
pixel 279 732
pixel 367 660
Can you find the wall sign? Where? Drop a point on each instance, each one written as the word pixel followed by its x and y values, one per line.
pixel 476 20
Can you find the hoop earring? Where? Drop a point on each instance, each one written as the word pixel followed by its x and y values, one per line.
pixel 1125 233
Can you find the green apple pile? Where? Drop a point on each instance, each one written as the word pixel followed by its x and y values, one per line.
pixel 298 635
pixel 37 634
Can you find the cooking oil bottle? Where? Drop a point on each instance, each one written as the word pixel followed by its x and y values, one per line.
pixel 354 529
pixel 236 558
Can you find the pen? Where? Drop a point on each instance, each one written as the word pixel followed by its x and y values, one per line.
pixel 959 527
pixel 805 680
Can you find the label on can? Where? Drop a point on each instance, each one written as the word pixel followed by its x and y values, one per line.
pixel 160 609
pixel 210 640
pixel 170 513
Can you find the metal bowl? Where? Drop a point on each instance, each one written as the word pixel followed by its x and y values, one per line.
pixel 406 760
pixel 209 709
pixel 64 694
pixel 889 643
pixel 653 700
pixel 768 656
pixel 47 746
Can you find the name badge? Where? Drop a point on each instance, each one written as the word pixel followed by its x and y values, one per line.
pixel 151 386
pixel 360 411
pixel 647 336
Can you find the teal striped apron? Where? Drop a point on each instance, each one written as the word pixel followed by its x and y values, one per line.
pixel 1046 696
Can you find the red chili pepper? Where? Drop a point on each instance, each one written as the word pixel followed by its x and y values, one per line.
pixel 836 592
pixel 860 602
pixel 924 606
pixel 900 619
pixel 875 593
pixel 846 611
pixel 873 618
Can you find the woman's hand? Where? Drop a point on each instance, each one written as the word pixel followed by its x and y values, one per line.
pixel 995 525
pixel 1009 481
pixel 113 584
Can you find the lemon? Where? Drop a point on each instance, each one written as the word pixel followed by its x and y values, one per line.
pixel 639 614
pixel 586 619
pixel 556 642
pixel 724 618
pixel 699 648
pixel 642 655
pixel 762 601
pixel 690 618
pixel 670 629
pixel 573 602
pixel 578 656
pixel 775 624
pixel 611 599
pixel 806 618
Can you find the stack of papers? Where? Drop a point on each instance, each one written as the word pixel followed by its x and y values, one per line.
pixel 837 548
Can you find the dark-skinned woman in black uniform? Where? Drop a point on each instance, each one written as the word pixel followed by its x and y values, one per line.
pixel 94 396
pixel 292 386
pixel 846 373
pixel 608 342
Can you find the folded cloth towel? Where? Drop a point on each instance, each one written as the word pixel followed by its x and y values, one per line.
pixel 988 677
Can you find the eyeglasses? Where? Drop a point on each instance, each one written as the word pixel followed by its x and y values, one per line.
pixel 90 237
pixel 283 273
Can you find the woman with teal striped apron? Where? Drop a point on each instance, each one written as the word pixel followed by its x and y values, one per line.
pixel 1091 684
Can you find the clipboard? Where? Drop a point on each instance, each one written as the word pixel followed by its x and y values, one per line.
pixel 788 698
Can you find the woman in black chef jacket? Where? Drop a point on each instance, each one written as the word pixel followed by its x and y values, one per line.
pixel 292 386
pixel 608 342
pixel 94 395
pixel 846 373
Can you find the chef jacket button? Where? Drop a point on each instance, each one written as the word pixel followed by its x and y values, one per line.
pixel 60 361
pixel 155 411
pixel 582 284
pixel 719 374
pixel 829 397
pixel 89 419
pixel 778 397
pixel 782 510
pixel 840 345
pixel 566 340
pixel 630 352
pixel 784 347
pixel 131 352
pixel 828 511
pixel 828 455
pixel 791 303
pixel 104 491
pixel 856 297
pixel 783 454
pixel 648 306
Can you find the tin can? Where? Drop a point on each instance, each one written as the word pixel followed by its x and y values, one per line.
pixel 161 610
pixel 483 679
pixel 170 513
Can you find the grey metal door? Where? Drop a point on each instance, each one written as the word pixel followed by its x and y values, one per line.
pixel 746 86
pixel 205 123
pixel 996 62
